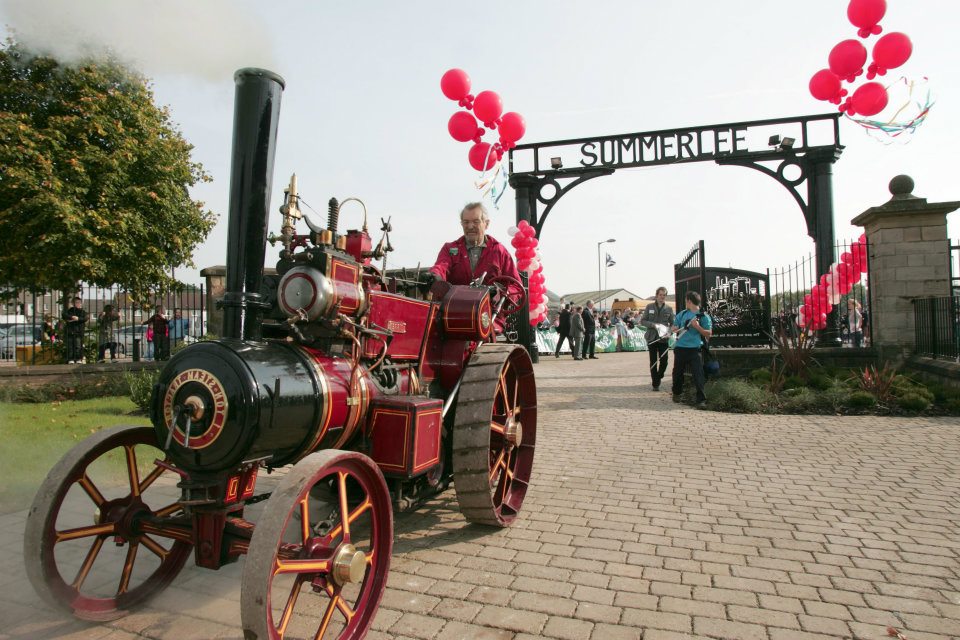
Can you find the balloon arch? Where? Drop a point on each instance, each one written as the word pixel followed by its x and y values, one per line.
pixel 797 152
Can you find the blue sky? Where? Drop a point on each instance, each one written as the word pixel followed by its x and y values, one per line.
pixel 363 114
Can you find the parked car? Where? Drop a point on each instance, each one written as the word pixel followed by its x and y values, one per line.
pixel 21 335
pixel 126 335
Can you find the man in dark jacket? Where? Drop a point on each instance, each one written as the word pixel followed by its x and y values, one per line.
pixel 563 329
pixel 590 331
pixel 657 318
pixel 75 318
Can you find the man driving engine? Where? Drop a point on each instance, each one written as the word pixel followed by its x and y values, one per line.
pixel 474 254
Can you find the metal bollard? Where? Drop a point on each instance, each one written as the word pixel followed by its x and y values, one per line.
pixel 136 349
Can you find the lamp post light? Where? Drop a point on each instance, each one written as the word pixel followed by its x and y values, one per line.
pixel 599 283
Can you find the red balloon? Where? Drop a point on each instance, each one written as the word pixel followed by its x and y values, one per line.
pixel 825 85
pixel 847 59
pixel 846 257
pixel 455 84
pixel 891 51
pixel 870 99
pixel 462 126
pixel 480 153
pixel 866 14
pixel 512 126
pixel 488 106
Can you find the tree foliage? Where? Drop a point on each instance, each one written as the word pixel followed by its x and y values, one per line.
pixel 94 178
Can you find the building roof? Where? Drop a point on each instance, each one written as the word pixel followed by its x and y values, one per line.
pixel 604 295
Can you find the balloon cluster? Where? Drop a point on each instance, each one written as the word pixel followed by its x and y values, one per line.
pixel 847 59
pixel 525 243
pixel 487 106
pixel 837 282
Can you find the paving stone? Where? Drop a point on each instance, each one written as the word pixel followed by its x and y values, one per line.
pixel 715 627
pixel 510 619
pixel 461 631
pixel 567 628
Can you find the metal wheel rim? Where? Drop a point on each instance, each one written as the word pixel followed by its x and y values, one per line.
pixel 263 563
pixel 492 473
pixel 40 536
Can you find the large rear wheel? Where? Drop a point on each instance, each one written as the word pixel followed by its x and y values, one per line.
pixel 494 434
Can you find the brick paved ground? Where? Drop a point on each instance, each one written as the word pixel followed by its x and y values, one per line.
pixel 649 520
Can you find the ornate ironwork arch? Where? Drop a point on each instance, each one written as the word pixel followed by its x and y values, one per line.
pixel 724 144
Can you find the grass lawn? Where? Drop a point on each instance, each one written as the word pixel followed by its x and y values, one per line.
pixel 33 437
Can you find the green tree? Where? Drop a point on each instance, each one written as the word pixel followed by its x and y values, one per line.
pixel 94 178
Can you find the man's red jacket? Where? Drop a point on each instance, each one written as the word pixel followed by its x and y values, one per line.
pixel 453 263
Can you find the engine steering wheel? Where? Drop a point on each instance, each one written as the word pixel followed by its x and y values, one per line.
pixel 514 300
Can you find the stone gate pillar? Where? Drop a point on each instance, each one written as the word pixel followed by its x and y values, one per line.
pixel 909 258
pixel 216 282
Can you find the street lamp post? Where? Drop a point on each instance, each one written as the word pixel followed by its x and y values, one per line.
pixel 599 282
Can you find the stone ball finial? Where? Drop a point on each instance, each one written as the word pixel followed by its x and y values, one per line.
pixel 901 185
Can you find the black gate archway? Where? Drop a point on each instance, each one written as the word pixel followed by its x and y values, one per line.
pixel 797 152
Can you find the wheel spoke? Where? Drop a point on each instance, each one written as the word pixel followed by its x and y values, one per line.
pixel 151 477
pixel 327 615
pixel 496 428
pixel 516 393
pixel 168 510
pixel 305 519
pixel 291 602
pixel 132 471
pixel 502 388
pixel 128 567
pixel 344 512
pixel 154 546
pixel 309 566
pixel 342 604
pixel 497 465
pixel 88 563
pixel 86 532
pixel 91 489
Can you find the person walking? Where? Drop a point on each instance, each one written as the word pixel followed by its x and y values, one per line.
pixel 589 331
pixel 75 318
pixel 107 321
pixel 179 328
pixel 658 318
pixel 576 332
pixel 563 329
pixel 691 326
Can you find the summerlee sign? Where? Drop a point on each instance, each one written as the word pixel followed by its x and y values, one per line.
pixel 691 144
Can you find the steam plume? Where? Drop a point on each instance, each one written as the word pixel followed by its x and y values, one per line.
pixel 204 38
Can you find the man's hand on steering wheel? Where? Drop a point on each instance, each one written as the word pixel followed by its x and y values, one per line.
pixel 510 294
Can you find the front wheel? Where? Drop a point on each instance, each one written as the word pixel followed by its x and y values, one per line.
pixel 319 556
pixel 84 549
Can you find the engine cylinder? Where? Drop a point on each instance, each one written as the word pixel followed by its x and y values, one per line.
pixel 252 400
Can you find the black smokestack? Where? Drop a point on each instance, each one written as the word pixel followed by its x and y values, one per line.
pixel 256 112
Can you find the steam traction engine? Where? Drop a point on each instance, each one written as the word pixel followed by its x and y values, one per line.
pixel 373 397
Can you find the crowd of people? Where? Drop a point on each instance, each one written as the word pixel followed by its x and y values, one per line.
pixel 161 330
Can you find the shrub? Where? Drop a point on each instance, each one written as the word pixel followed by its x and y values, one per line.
pixel 819 380
pixel 738 396
pixel 794 351
pixel 140 386
pixel 794 382
pixel 801 400
pixel 913 402
pixel 877 382
pixel 952 405
pixel 761 376
pixel 861 400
